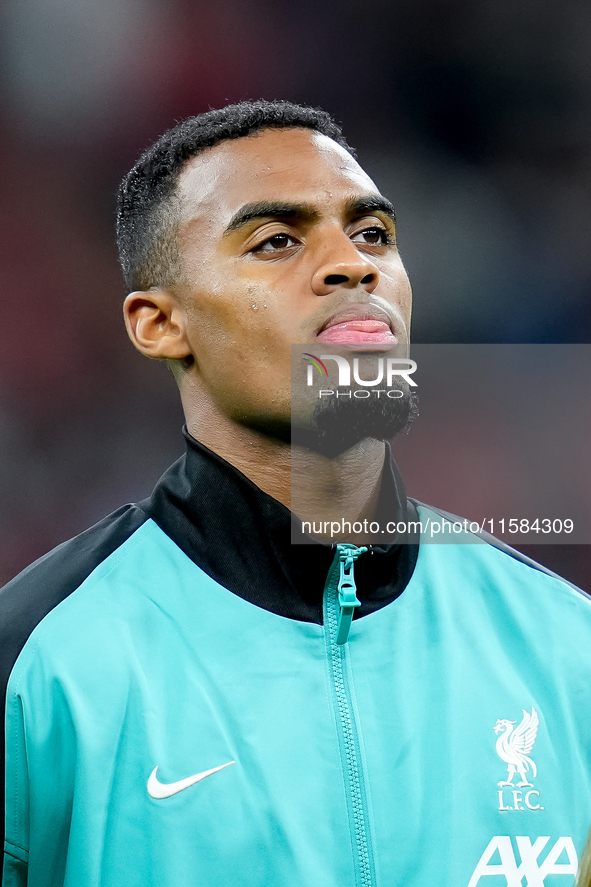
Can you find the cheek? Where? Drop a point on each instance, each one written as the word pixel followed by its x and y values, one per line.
pixel 241 327
pixel 242 348
pixel 396 280
pixel 247 376
pixel 249 315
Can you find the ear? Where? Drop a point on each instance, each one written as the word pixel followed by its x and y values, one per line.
pixel 156 325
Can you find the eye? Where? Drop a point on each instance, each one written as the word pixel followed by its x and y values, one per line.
pixel 275 243
pixel 374 236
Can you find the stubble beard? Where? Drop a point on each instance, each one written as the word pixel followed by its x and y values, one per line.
pixel 343 420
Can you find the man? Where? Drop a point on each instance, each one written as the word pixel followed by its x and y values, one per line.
pixel 188 700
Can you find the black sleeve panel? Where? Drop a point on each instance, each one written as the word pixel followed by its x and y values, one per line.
pixel 28 598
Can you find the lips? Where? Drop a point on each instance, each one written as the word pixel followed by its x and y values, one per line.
pixel 358 328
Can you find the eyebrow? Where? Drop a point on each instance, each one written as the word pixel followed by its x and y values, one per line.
pixel 265 209
pixel 370 204
pixel 271 209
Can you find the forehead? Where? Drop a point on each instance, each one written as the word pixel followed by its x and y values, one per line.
pixel 292 164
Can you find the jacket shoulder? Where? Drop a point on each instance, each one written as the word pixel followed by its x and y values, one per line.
pixel 510 556
pixel 30 596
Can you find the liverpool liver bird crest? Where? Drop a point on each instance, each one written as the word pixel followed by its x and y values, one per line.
pixel 514 746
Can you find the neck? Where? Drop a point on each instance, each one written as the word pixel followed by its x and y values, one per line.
pixel 317 489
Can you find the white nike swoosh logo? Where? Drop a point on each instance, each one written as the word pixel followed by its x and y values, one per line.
pixel 161 790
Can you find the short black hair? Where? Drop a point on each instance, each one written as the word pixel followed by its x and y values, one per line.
pixel 148 212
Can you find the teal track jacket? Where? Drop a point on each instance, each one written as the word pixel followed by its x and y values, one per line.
pixel 163 731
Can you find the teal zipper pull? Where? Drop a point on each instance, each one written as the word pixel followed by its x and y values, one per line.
pixel 346 590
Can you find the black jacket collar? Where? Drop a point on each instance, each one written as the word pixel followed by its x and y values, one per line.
pixel 241 537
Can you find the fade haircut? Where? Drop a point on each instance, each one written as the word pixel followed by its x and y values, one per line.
pixel 148 204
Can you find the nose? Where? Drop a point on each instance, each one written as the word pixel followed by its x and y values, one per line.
pixel 343 265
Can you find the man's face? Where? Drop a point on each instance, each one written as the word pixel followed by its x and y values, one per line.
pixel 284 240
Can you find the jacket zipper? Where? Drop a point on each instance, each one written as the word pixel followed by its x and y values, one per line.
pixel 340 601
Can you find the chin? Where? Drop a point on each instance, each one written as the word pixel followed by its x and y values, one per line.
pixel 340 423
